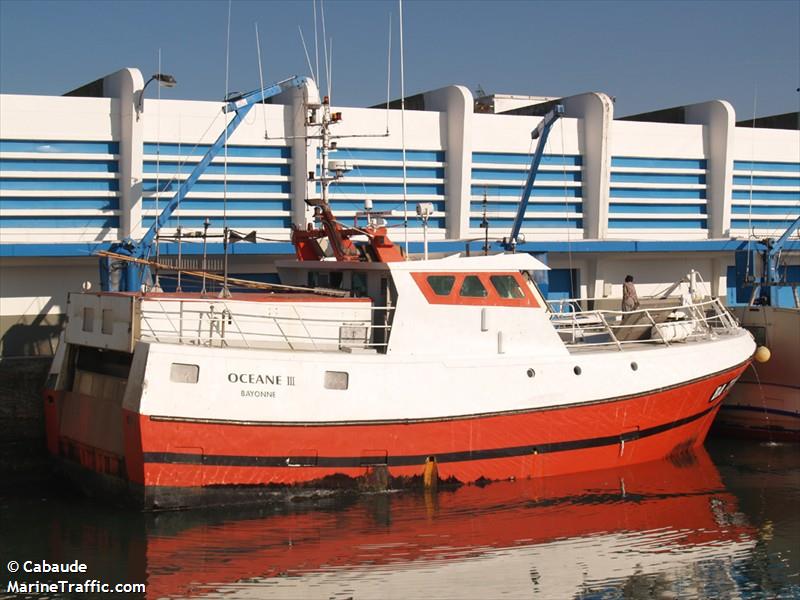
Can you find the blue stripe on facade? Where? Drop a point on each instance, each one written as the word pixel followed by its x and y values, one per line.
pixel 411 172
pixel 55 221
pixel 271 187
pixel 762 223
pixel 530 223
pixel 569 160
pixel 58 146
pixel 415 222
pixel 47 184
pixel 747 165
pixel 522 176
pixel 656 193
pixel 657 178
pixel 39 203
pixel 151 148
pixel 678 209
pixel 765 195
pixel 658 163
pixel 657 223
pixel 747 180
pixel 167 169
pixel 232 221
pixel 383 205
pixel 372 154
pixel 79 166
pixel 516 191
pixel 217 204
pixel 766 210
pixel 477 207
pixel 387 188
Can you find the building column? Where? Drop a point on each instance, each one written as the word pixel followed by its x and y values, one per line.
pixel 304 150
pixel 596 113
pixel 719 121
pixel 457 103
pixel 124 87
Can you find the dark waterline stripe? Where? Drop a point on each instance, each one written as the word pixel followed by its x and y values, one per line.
pixel 409 460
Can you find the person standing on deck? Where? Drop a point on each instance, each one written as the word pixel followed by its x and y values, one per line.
pixel 630 301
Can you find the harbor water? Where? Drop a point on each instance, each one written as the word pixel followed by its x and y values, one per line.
pixel 718 523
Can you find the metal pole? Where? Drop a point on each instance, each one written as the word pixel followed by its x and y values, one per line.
pixel 206 223
pixel 180 264
pixel 225 292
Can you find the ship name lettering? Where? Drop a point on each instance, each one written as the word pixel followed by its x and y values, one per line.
pixel 255 378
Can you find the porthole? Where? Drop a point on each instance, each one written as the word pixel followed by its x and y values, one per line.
pixel 634 366
pixel 531 373
pixel 577 370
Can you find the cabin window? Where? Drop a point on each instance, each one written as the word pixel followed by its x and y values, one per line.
pixel 472 288
pixel 107 326
pixel 507 286
pixel 359 285
pixel 441 285
pixel 183 373
pixel 88 319
pixel 336 380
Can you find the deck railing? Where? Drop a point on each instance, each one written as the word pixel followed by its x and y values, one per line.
pixel 658 324
pixel 350 327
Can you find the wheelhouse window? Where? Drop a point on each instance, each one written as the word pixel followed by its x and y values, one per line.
pixel 441 285
pixel 472 288
pixel 506 286
pixel 481 289
pixel 183 373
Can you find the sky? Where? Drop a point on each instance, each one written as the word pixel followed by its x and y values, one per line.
pixel 647 54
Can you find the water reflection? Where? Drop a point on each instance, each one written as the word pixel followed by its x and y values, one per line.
pixel 659 530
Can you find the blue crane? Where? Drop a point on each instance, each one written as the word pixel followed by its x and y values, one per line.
pixel 767 260
pixel 541 132
pixel 132 273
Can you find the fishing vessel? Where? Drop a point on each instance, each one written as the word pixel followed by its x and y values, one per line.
pixel 365 365
pixel 766 402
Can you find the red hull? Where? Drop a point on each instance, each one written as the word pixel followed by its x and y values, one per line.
pixel 192 456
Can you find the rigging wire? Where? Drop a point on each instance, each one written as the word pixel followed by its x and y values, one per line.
pixel 750 231
pixel 403 132
pixel 158 172
pixel 308 60
pixel 261 76
pixel 225 291
pixel 566 205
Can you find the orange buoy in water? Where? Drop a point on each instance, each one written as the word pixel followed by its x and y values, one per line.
pixel 762 354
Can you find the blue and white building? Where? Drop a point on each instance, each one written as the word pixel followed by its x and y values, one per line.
pixel 614 196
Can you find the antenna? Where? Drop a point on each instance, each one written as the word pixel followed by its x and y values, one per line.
pixel 316 44
pixel 330 72
pixel 325 47
pixel 388 73
pixel 403 132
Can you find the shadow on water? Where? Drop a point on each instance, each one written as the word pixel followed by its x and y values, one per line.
pixel 658 530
